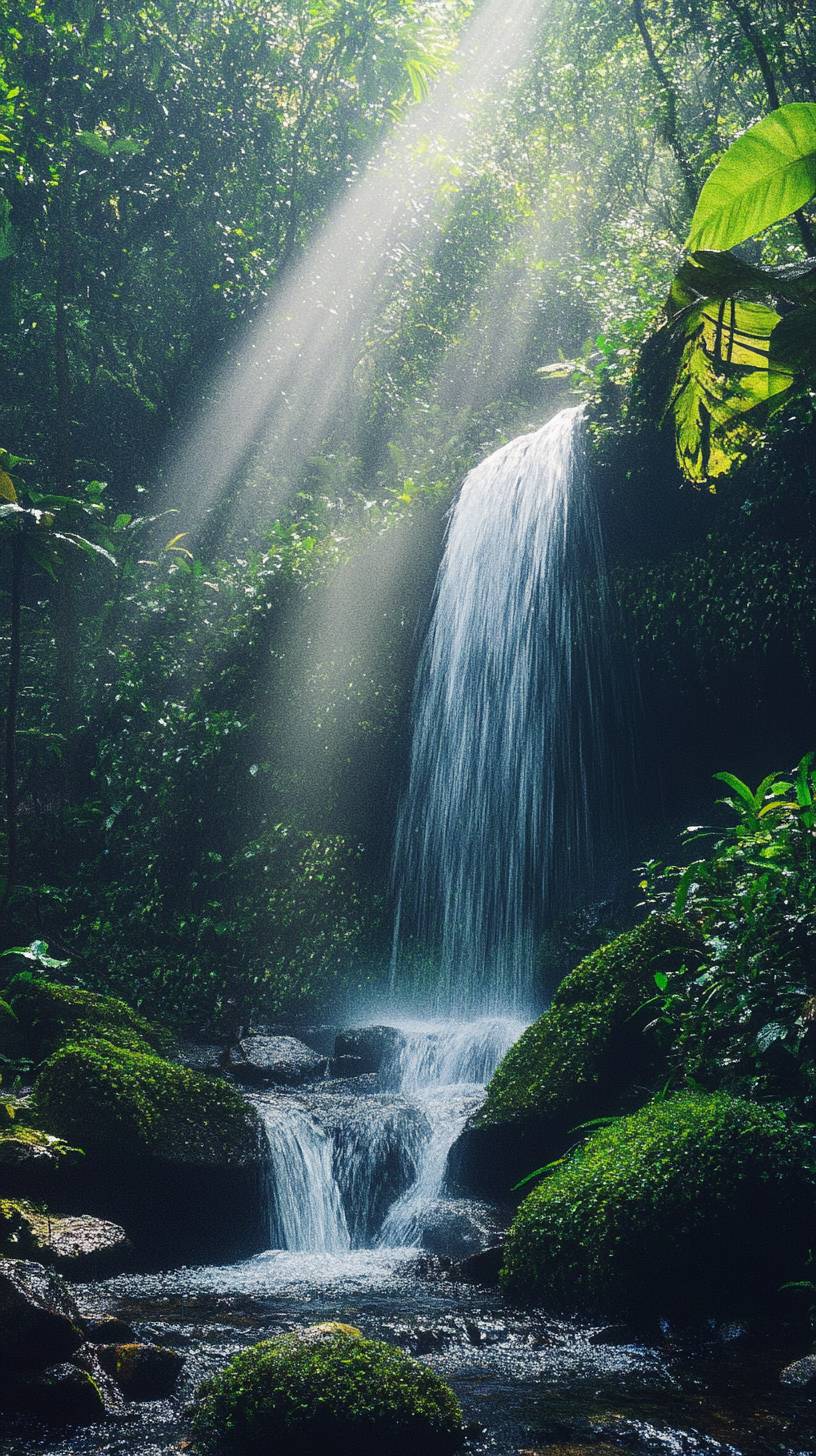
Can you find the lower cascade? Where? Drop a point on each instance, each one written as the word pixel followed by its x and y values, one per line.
pixel 360 1162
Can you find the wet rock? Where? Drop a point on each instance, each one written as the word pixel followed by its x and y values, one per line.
pixel 142 1372
pixel 87 1358
pixel 612 1335
pixel 108 1329
pixel 63 1395
pixel 78 1245
pixel 370 1045
pixel 801 1374
pixel 482 1267
pixel 202 1056
pixel 347 1066
pixel 39 1320
pixel 264 1060
pixel 458 1229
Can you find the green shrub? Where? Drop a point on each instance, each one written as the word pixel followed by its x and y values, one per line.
pixel 741 1012
pixel 698 1200
pixel 51 1013
pixel 327 1390
pixel 107 1097
pixel 590 1046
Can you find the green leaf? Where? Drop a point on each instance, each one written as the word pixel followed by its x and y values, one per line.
pixel 93 142
pixel 766 174
pixel 91 548
pixel 740 788
pixel 661 980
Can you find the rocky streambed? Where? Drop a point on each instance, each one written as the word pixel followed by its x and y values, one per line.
pixel 527 1383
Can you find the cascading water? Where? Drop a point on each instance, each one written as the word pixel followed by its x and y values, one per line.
pixel 360 1167
pixel 513 711
pixel 304 1207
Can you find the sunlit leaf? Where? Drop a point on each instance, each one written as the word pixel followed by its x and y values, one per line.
pixel 765 175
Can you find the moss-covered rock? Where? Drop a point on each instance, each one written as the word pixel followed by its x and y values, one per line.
pixel 586 1056
pixel 327 1390
pixel 171 1154
pixel 694 1201
pixel 142 1371
pixel 50 1014
pixel 101 1094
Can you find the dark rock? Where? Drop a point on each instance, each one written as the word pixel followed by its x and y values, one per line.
pixel 87 1358
pixel 143 1372
pixel 264 1060
pixel 32 1163
pixel 370 1045
pixel 801 1374
pixel 347 1066
pixel 613 1335
pixel 80 1246
pixel 63 1395
pixel 486 1162
pixel 457 1230
pixel 202 1056
pixel 482 1267
pixel 108 1329
pixel 39 1320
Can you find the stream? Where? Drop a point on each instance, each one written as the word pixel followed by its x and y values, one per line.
pixel 359 1228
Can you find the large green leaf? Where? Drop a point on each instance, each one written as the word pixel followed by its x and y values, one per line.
pixel 766 174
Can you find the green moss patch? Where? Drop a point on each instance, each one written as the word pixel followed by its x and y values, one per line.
pixel 109 1098
pixel 590 1045
pixel 699 1200
pixel 50 1014
pixel 327 1390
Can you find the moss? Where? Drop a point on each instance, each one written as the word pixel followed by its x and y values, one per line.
pixel 12 1044
pixel 694 1201
pixel 321 1390
pixel 51 1013
pixel 590 1045
pixel 114 1099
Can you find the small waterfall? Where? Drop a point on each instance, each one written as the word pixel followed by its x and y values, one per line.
pixel 512 753
pixel 445 1067
pixel 364 1167
pixel 305 1210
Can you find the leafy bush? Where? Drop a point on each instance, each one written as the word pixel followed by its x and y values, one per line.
pixel 697 1200
pixel 324 1390
pixel 741 1011
pixel 50 1013
pixel 112 1098
pixel 589 1047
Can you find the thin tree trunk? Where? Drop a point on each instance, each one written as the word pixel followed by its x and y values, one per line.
pixel 12 714
pixel 672 129
pixel 63 596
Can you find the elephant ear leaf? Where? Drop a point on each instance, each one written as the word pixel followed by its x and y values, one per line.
pixel 766 174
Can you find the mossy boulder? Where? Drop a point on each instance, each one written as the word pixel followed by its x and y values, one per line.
pixel 173 1155
pixel 49 1014
pixel 696 1202
pixel 588 1055
pixel 142 1371
pixel 327 1389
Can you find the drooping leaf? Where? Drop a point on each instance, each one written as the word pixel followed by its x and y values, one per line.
pixel 766 174
pixel 7 491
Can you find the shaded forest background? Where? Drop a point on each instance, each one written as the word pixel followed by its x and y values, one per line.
pixel 214 701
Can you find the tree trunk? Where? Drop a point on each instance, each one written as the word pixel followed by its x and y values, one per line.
pixel 671 128
pixel 12 714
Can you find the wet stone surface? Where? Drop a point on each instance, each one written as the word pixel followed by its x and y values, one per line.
pixel 527 1383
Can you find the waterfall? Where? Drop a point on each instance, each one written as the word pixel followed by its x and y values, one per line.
pixel 304 1207
pixel 512 722
pixel 356 1166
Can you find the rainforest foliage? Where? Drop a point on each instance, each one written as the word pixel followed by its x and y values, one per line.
pixel 206 701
